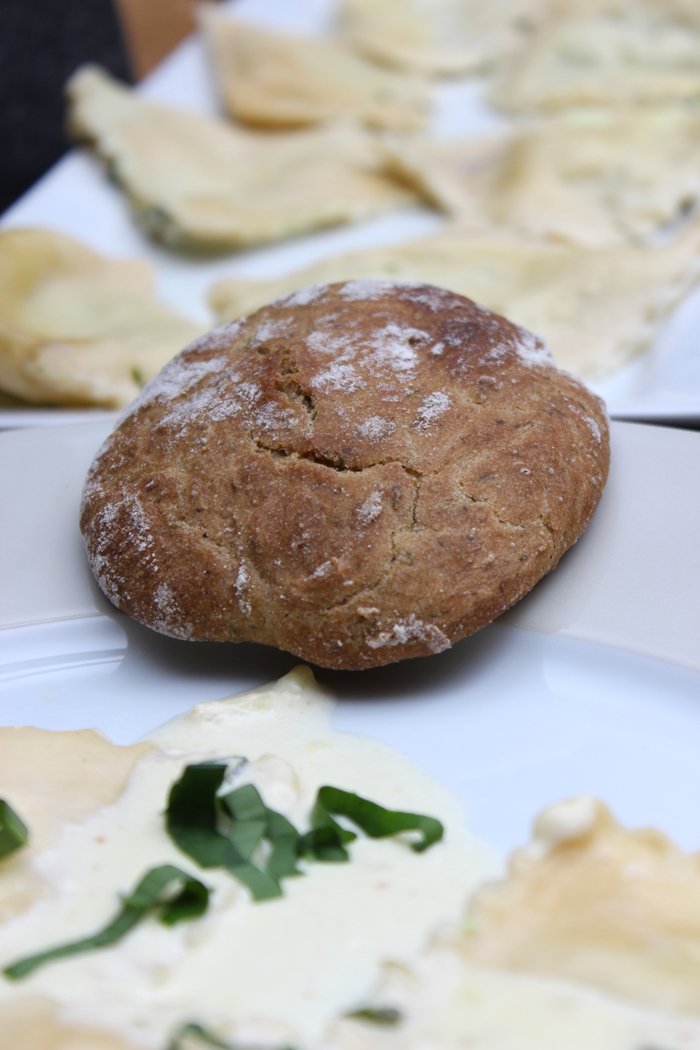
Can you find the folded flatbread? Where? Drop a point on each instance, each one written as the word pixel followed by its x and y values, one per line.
pixel 197 183
pixel 592 176
pixel 77 328
pixel 278 80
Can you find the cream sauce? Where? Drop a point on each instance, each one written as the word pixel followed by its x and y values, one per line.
pixel 285 972
pixel 281 968
pixel 447 1004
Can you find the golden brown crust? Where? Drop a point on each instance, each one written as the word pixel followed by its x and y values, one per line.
pixel 358 473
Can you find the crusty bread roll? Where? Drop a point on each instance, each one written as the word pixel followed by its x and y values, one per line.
pixel 357 473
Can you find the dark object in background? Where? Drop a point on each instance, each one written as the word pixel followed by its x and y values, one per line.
pixel 41 43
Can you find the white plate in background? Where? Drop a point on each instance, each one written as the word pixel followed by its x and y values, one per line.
pixel 76 198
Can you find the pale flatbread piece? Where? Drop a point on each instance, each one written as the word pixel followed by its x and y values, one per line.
pixel 277 80
pixel 606 52
pixel 79 772
pixel 77 328
pixel 197 183
pixel 439 37
pixel 595 903
pixel 596 308
pixel 68 761
pixel 458 176
pixel 591 176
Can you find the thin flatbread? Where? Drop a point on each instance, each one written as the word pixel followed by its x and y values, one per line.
pixel 439 37
pixel 77 328
pixel 592 176
pixel 596 308
pixel 276 80
pixel 197 183
pixel 608 53
pixel 594 903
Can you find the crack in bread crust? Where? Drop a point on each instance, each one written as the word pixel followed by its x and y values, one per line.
pixel 358 473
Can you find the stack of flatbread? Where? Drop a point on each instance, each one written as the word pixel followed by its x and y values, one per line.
pixel 577 217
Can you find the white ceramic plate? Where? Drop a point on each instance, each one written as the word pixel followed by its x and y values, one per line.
pixel 592 684
pixel 75 197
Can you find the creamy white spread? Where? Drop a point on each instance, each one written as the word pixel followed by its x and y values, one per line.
pixel 589 911
pixel 285 966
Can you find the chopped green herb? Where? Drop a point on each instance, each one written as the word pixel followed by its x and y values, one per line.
pixel 197 1033
pixel 194 818
pixel 149 896
pixel 245 806
pixel 138 376
pixel 13 831
pixel 226 830
pixel 327 838
pixel 381 1015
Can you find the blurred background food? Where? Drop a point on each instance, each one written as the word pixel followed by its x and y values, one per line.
pixel 276 79
pixel 77 328
pixel 549 149
pixel 199 184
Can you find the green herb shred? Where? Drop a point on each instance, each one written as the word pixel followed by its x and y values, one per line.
pixel 13 831
pixel 150 896
pixel 226 830
pixel 197 1033
pixel 381 1015
pixel 327 839
pixel 195 819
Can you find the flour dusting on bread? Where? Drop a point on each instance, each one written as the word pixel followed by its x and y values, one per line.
pixel 358 473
